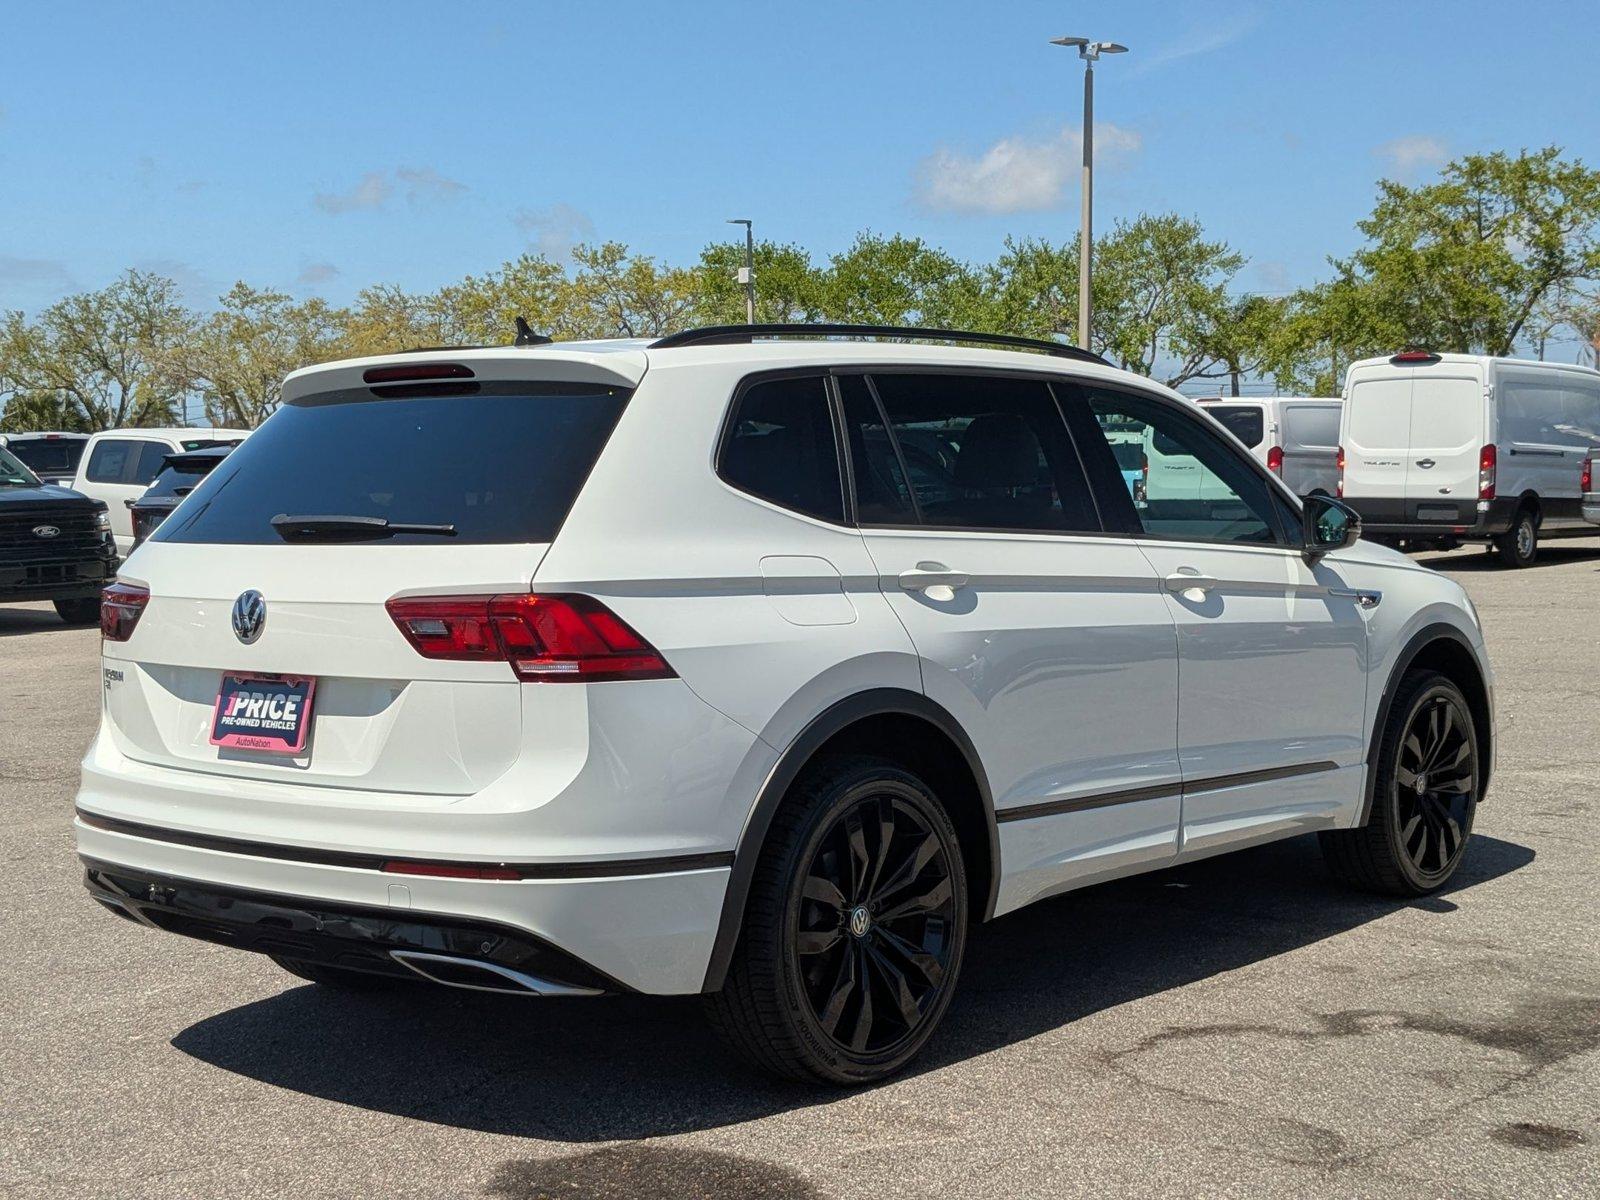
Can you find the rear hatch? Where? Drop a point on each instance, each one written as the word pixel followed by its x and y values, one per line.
pixel 277 570
pixel 1412 437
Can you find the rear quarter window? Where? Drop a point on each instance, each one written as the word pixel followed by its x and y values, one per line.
pixel 1313 426
pixel 1247 424
pixel 501 462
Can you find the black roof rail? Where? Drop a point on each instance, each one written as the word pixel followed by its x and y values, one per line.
pixel 730 335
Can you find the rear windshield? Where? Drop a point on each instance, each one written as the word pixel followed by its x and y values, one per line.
pixel 49 456
pixel 1246 424
pixel 502 463
pixel 175 481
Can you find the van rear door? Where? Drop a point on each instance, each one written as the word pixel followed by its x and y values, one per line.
pixel 1447 434
pixel 1377 436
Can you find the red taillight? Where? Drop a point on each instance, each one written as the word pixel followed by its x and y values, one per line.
pixel 1338 458
pixel 1586 475
pixel 413 372
pixel 545 638
pixel 121 606
pixel 1486 464
pixel 440 870
pixel 1414 356
pixel 1275 460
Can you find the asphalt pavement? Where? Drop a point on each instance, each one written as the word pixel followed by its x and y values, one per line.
pixel 1238 1027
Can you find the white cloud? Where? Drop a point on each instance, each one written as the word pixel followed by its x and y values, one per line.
pixel 41 272
pixel 555 230
pixel 377 188
pixel 317 272
pixel 1016 174
pixel 1199 40
pixel 1414 152
pixel 424 183
pixel 372 192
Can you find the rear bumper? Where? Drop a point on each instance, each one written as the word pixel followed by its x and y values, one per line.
pixel 1591 507
pixel 1423 519
pixel 649 932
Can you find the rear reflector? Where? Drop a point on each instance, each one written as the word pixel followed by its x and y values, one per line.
pixel 1275 460
pixel 1487 458
pixel 440 870
pixel 121 606
pixel 411 372
pixel 545 638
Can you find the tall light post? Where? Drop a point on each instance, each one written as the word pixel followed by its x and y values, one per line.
pixel 1090 52
pixel 747 273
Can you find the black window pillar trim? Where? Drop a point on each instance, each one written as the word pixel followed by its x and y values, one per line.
pixel 832 720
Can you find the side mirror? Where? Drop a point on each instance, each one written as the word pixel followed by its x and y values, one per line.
pixel 1327 525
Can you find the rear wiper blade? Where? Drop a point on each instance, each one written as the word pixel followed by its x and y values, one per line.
pixel 348 528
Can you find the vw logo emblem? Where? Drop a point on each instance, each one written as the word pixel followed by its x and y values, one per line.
pixel 860 921
pixel 46 531
pixel 249 616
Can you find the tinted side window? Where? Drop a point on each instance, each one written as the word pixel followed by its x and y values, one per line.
pixel 986 452
pixel 883 497
pixel 152 457
pixel 1247 424
pixel 112 461
pixel 1192 486
pixel 780 447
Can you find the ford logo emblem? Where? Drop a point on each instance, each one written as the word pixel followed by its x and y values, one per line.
pixel 46 531
pixel 249 616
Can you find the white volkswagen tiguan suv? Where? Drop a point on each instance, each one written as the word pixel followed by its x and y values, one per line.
pixel 751 665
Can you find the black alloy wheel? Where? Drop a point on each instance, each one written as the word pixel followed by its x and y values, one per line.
pixel 854 927
pixel 874 928
pixel 1435 782
pixel 1424 794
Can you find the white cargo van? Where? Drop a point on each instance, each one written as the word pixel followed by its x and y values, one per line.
pixel 1296 437
pixel 118 464
pixel 1441 449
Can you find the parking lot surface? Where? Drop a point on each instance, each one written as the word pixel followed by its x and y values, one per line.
pixel 1238 1027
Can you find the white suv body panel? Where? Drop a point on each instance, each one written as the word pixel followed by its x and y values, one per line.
pixel 1065 670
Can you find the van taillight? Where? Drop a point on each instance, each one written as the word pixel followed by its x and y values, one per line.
pixel 1275 460
pixel 1586 475
pixel 545 638
pixel 1486 463
pixel 1338 459
pixel 121 606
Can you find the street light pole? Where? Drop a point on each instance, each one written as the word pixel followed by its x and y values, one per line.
pixel 747 274
pixel 1090 52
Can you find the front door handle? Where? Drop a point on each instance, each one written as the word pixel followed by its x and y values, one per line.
pixel 1187 579
pixel 934 580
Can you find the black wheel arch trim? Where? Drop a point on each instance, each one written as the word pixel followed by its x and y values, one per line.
pixel 1419 642
pixel 834 719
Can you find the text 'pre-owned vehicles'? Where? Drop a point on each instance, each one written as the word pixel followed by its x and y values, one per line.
pixel 1441 449
pixel 751 665
pixel 1296 437
pixel 54 544
pixel 119 464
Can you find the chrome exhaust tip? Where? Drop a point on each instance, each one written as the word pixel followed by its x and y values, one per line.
pixel 478 976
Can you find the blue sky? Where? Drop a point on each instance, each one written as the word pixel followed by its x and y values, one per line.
pixel 323 147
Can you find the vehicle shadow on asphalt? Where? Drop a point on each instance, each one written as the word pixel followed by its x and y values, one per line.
pixel 1549 556
pixel 17 621
pixel 628 1067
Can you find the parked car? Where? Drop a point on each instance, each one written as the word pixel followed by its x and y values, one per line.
pixel 642 666
pixel 54 544
pixel 118 465
pixel 53 457
pixel 1442 449
pixel 1296 437
pixel 180 474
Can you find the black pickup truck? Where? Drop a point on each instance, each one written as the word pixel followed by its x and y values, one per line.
pixel 54 544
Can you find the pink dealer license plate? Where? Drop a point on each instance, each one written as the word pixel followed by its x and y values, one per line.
pixel 261 712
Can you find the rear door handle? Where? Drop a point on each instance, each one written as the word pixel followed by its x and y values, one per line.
pixel 934 580
pixel 1425 463
pixel 1187 579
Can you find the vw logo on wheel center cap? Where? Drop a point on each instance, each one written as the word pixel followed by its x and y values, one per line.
pixel 249 616
pixel 860 920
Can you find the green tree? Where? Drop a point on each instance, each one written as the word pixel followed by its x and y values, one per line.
pixel 900 281
pixel 1466 262
pixel 788 285
pixel 236 358
pixel 105 356
pixel 618 294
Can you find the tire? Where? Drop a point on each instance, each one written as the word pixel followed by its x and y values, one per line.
pixel 82 611
pixel 342 978
pixel 818 921
pixel 1519 545
pixel 1415 835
